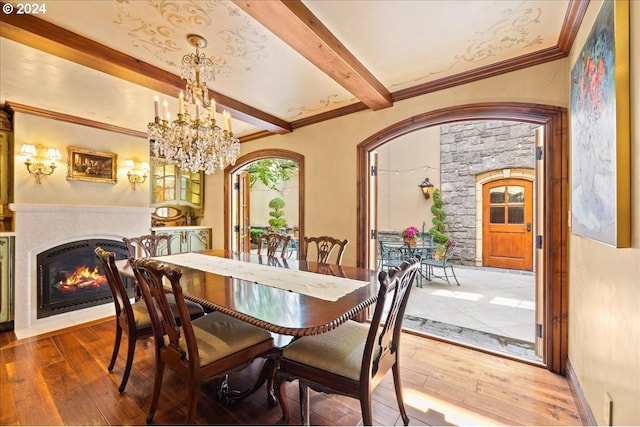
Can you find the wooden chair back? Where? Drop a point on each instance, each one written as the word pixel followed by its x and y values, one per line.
pixel 148 245
pixel 177 346
pixel 380 352
pixel 324 246
pixel 269 243
pixel 125 315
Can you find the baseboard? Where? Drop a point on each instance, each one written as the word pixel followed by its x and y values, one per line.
pixel 584 410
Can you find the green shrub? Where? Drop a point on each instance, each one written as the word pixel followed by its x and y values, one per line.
pixel 277 221
pixel 438 229
pixel 255 234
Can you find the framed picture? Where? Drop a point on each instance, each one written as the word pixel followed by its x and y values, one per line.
pixel 90 165
pixel 600 131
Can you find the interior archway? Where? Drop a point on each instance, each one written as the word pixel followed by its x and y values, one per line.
pixel 241 162
pixel 555 193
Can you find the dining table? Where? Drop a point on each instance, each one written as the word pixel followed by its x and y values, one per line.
pixel 281 295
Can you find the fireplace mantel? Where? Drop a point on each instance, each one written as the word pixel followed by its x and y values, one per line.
pixel 39 227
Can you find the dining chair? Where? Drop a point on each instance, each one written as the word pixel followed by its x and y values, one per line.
pixel 207 348
pixel 324 246
pixel 131 318
pixel 272 243
pixel 353 358
pixel 148 245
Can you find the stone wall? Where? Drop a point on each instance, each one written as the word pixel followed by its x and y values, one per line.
pixel 467 150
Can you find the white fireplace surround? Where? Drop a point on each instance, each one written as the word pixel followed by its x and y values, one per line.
pixel 41 227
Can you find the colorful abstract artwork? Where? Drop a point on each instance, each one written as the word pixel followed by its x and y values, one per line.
pixel 600 161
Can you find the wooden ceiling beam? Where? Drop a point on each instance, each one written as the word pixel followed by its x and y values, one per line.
pixel 293 23
pixel 42 35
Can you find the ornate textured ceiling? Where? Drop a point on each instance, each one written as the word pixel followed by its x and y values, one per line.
pixel 279 64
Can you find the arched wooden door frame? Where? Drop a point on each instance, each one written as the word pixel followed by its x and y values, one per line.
pixel 241 162
pixel 556 196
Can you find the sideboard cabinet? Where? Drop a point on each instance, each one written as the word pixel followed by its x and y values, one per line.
pixel 6 282
pixel 172 186
pixel 186 239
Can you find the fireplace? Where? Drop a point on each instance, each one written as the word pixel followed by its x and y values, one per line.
pixel 70 277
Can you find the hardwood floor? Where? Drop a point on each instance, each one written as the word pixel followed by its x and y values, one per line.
pixel 62 379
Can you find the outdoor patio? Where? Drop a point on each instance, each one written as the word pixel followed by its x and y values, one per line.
pixel 492 308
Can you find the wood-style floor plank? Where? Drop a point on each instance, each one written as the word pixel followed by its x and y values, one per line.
pixel 62 379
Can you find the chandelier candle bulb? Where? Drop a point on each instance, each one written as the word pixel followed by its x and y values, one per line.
pixel 155 106
pixel 181 103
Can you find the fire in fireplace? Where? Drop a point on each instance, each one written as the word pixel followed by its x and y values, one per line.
pixel 70 276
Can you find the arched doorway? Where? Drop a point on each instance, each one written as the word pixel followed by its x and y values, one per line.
pixel 554 151
pixel 233 191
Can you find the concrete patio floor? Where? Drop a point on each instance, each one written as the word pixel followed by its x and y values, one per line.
pixel 492 308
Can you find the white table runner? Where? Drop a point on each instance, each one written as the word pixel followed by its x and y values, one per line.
pixel 322 286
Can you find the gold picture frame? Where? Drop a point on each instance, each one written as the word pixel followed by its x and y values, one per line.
pixel 600 131
pixel 90 165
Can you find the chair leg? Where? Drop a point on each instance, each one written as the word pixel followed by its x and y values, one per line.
pixel 365 406
pixel 194 393
pixel 157 383
pixel 305 407
pixel 116 347
pixel 454 275
pixel 131 348
pixel 396 383
pixel 280 388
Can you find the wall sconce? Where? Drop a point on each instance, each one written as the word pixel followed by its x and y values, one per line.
pixel 137 173
pixel 38 167
pixel 426 187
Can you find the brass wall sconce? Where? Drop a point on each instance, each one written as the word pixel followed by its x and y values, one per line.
pixel 427 188
pixel 36 166
pixel 137 173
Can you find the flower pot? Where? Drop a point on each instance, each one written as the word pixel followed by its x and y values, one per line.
pixel 412 242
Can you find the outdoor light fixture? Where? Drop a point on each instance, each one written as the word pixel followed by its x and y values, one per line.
pixel 36 166
pixel 137 173
pixel 426 187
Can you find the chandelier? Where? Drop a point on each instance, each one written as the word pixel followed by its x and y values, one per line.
pixel 194 141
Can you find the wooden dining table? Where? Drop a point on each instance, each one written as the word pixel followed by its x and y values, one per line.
pixel 274 309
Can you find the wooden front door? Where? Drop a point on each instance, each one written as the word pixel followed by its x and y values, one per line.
pixel 507 224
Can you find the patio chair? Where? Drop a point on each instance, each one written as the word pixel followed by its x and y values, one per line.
pixel 353 358
pixel 272 243
pixel 443 262
pixel 132 319
pixel 324 247
pixel 208 348
pixel 389 255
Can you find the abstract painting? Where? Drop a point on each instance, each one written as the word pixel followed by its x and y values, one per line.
pixel 600 140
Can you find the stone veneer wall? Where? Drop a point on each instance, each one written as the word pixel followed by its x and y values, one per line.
pixel 468 149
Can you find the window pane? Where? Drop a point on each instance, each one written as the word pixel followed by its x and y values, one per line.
pixel 516 194
pixel 516 214
pixel 496 195
pixel 497 215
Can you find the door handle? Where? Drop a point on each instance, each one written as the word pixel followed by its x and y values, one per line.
pixel 528 226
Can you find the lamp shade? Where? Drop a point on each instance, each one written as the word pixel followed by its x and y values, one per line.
pixel 28 150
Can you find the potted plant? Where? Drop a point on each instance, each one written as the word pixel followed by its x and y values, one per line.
pixel 296 231
pixel 410 235
pixel 438 229
pixel 277 221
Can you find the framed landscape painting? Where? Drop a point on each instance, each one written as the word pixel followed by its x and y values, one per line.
pixel 600 133
pixel 91 165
